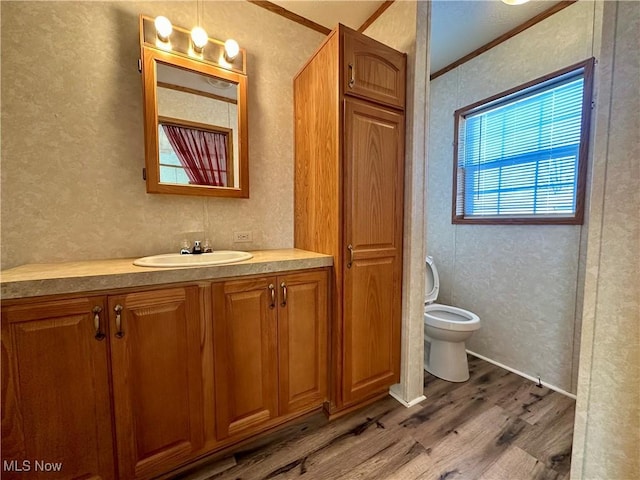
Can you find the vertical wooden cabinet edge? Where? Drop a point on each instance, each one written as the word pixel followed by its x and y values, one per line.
pixel 208 366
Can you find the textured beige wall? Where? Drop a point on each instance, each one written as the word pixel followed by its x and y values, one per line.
pixel 607 427
pixel 520 280
pixel 405 26
pixel 72 136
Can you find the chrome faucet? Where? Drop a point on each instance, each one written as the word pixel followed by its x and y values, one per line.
pixel 197 248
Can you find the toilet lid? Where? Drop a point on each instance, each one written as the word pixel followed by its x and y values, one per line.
pixel 432 282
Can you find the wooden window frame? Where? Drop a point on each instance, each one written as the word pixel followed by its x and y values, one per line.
pixel 583 155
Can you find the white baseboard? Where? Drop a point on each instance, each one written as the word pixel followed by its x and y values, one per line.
pixel 413 402
pixel 528 377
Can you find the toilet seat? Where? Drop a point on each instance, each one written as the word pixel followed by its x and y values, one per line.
pixel 450 318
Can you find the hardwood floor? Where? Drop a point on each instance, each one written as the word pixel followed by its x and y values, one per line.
pixel 495 426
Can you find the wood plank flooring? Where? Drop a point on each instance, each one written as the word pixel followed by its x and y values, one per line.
pixel 495 426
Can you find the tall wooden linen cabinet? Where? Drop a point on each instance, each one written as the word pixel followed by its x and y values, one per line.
pixel 349 171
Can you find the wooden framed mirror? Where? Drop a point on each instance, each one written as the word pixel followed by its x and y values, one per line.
pixel 195 117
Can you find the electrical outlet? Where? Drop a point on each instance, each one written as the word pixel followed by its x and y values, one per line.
pixel 240 237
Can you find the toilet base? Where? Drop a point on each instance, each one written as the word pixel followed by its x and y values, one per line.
pixel 447 360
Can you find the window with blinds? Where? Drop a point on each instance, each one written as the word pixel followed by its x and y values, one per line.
pixel 521 156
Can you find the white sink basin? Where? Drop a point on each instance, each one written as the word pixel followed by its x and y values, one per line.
pixel 177 260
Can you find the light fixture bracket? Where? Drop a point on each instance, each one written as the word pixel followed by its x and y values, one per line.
pixel 180 44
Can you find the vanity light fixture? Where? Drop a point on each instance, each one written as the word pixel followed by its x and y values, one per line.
pixel 514 2
pixel 159 33
pixel 199 38
pixel 163 28
pixel 231 50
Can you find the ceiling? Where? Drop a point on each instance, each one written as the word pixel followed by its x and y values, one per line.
pixel 458 27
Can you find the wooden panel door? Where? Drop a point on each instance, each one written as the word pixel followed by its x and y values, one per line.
pixel 302 340
pixel 55 391
pixel 157 379
pixel 372 70
pixel 246 354
pixel 374 171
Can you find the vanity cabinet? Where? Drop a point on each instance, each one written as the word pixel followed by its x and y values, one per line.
pixel 137 382
pixel 349 178
pixel 59 360
pixel 270 344
pixel 55 390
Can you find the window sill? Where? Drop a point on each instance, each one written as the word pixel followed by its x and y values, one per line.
pixel 517 221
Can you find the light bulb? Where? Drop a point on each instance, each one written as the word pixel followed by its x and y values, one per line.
pixel 199 38
pixel 231 49
pixel 163 28
pixel 514 2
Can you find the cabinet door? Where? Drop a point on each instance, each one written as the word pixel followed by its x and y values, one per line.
pixel 374 170
pixel 157 379
pixel 372 70
pixel 302 341
pixel 55 391
pixel 246 355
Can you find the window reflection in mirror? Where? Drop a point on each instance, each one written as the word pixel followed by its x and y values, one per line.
pixel 195 155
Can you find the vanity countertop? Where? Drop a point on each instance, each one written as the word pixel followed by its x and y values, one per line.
pixel 34 280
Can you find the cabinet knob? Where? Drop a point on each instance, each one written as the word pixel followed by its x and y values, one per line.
pixel 352 80
pixel 350 262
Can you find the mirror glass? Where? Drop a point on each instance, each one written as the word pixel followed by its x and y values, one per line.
pixel 197 128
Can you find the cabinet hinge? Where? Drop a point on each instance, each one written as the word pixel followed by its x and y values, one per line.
pixel 144 173
pixel 140 65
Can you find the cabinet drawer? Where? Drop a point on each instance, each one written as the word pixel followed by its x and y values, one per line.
pixel 372 70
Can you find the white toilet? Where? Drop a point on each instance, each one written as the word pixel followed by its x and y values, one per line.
pixel 446 329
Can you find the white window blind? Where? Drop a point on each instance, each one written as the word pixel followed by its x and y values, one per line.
pixel 518 156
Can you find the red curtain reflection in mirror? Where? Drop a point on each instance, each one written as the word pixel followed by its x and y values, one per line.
pixel 203 154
